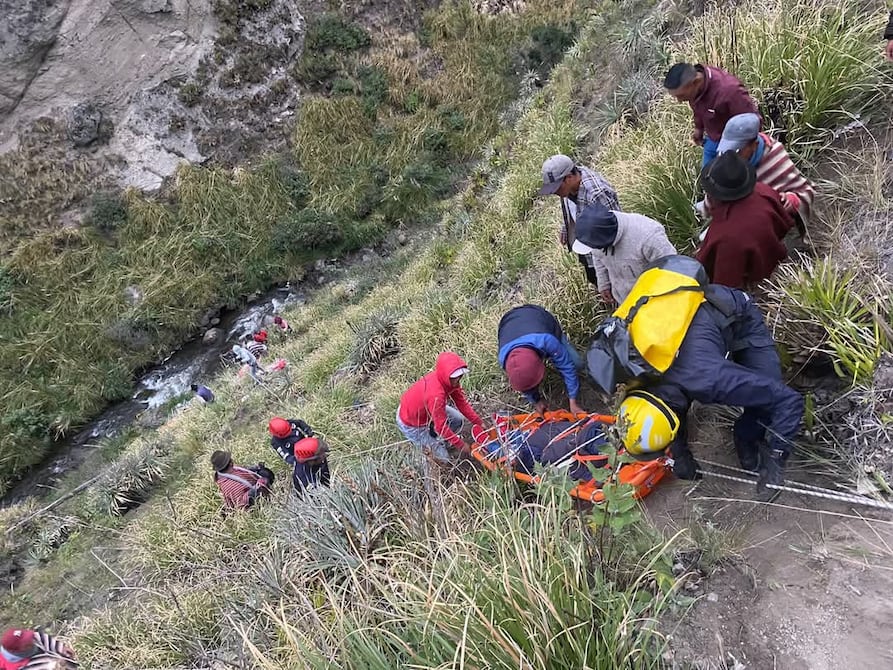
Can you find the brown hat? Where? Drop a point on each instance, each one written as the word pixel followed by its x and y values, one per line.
pixel 221 460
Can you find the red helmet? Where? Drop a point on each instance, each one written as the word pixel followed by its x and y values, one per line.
pixel 306 449
pixel 279 427
pixel 260 336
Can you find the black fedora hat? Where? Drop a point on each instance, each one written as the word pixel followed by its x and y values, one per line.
pixel 728 177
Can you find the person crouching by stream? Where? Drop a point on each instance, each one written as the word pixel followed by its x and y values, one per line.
pixel 240 486
pixel 25 649
pixel 306 453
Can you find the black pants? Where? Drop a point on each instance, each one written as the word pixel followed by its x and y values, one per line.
pixel 306 474
pixel 590 271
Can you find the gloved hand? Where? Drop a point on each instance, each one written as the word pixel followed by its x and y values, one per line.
pixel 772 463
pixel 685 466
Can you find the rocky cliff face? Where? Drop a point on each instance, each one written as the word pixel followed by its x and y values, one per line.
pixel 121 76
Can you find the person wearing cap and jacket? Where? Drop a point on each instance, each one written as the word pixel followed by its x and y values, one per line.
pixel 744 243
pixel 427 419
pixel 527 336
pixel 296 444
pixel 26 649
pixel 621 245
pixel 239 486
pixel 714 95
pixel 577 187
pixel 773 165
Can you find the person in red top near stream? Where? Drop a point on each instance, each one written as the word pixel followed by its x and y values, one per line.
pixel 744 243
pixel 25 649
pixel 427 419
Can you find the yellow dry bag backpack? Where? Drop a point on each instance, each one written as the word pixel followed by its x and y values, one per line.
pixel 641 338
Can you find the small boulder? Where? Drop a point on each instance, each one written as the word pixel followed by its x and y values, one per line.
pixel 82 124
pixel 212 336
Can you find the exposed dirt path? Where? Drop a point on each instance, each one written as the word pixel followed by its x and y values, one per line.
pixel 798 589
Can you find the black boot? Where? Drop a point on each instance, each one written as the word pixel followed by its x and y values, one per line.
pixel 748 454
pixel 771 469
pixel 685 466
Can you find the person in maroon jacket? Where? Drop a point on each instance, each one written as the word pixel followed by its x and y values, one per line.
pixel 714 95
pixel 424 415
pixel 744 242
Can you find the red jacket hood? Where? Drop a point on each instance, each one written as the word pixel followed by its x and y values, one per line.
pixel 447 363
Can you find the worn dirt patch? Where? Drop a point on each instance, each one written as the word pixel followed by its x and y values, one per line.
pixel 799 586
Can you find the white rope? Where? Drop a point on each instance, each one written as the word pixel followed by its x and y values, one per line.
pixel 847 498
pixel 800 485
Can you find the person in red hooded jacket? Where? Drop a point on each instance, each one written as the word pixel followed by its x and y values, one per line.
pixel 425 416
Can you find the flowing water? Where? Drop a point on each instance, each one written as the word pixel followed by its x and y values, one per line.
pixel 192 363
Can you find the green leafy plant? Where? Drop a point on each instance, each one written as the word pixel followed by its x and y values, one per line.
pixel 305 230
pixel 108 212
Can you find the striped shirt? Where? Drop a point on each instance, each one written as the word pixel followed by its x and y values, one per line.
pixel 235 494
pixel 777 170
pixel 257 349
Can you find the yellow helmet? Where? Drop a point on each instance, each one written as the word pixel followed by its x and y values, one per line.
pixel 650 425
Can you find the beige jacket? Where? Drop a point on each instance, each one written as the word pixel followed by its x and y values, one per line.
pixel 639 241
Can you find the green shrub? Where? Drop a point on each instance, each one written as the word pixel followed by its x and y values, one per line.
pixel 316 69
pixel 294 181
pixel 7 287
pixel 305 230
pixel 549 44
pixel 108 212
pixel 343 86
pixel 373 88
pixel 419 184
pixel 27 422
pixel 190 93
pixel 331 32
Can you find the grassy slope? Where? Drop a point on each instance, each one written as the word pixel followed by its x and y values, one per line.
pixel 378 571
pixel 71 335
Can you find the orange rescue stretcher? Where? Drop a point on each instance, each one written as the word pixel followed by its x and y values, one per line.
pixel 500 451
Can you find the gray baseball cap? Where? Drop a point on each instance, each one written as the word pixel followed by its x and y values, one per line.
pixel 555 169
pixel 740 131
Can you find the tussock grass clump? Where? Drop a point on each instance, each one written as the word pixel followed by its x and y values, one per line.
pixel 375 340
pixel 857 320
pixel 126 483
pixel 508 585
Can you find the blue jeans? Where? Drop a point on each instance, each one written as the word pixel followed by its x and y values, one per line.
pixel 572 352
pixel 422 438
pixel 710 148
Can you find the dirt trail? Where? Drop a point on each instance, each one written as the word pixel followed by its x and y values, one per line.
pixel 801 589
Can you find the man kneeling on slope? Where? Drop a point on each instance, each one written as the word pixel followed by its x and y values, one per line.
pixel 425 417
pixel 527 336
pixel 726 356
pixel 307 454
pixel 240 486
